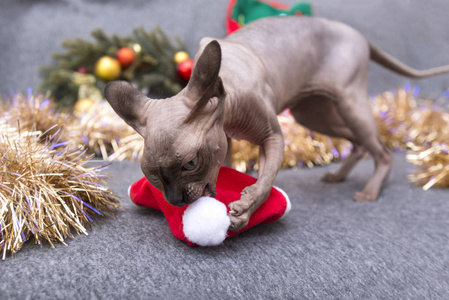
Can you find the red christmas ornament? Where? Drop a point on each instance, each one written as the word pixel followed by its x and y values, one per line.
pixel 82 70
pixel 126 56
pixel 184 69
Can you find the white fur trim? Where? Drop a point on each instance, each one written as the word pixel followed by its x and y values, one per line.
pixel 287 199
pixel 206 222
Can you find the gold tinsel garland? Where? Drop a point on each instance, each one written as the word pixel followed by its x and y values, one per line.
pixel 302 147
pixel 47 188
pixel 105 134
pixel 392 111
pixel 34 113
pixel 403 124
pixel 422 129
pixel 432 165
pixel 429 147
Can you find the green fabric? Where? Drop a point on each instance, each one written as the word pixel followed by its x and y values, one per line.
pixel 246 11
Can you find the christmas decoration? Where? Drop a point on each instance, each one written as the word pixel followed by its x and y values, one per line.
pixel 421 127
pixel 205 222
pixel 94 125
pixel 184 69
pixel 145 59
pixel 105 134
pixel 180 56
pixel 82 106
pixel 432 165
pixel 82 70
pixel 34 113
pixel 107 68
pixel 302 147
pixel 427 140
pixel 126 56
pixel 393 115
pixel 46 187
pixel 241 12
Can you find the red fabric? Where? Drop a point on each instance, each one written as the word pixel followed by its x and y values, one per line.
pixel 231 25
pixel 230 184
pixel 144 194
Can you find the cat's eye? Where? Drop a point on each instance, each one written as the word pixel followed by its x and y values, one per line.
pixel 191 165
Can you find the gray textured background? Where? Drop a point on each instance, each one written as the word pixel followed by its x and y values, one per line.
pixel 416 32
pixel 328 247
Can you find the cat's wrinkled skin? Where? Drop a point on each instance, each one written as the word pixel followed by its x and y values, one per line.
pixel 315 67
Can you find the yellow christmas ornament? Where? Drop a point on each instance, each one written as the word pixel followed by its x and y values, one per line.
pixel 82 106
pixel 180 56
pixel 108 68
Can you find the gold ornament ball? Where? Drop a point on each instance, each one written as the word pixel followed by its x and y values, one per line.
pixel 82 106
pixel 108 68
pixel 180 56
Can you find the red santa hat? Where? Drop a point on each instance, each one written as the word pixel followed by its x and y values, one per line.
pixel 205 222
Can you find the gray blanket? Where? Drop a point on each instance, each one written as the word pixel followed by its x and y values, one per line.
pixel 327 247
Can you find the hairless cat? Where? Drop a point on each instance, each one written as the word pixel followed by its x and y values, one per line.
pixel 316 67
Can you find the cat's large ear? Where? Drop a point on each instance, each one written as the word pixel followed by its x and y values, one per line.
pixel 128 102
pixel 205 82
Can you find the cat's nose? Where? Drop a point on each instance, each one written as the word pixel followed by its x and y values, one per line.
pixel 175 198
pixel 177 202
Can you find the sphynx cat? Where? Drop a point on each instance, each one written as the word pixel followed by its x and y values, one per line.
pixel 316 67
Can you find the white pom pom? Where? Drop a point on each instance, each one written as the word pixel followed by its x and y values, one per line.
pixel 206 222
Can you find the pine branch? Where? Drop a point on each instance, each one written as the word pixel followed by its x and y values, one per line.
pixel 152 69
